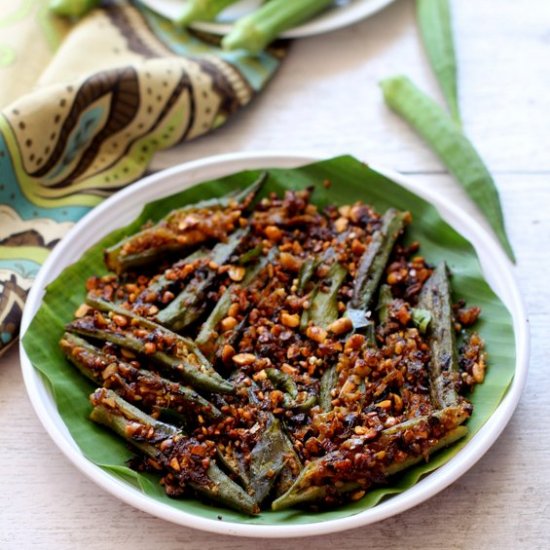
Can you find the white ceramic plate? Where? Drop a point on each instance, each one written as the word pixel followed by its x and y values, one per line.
pixel 347 13
pixel 125 206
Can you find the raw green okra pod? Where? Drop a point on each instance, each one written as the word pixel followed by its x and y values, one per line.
pixel 255 31
pixel 453 148
pixel 201 10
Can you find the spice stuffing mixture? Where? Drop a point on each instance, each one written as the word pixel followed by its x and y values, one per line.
pixel 267 354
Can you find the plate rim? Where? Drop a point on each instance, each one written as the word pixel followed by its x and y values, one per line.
pixel 343 16
pixel 420 492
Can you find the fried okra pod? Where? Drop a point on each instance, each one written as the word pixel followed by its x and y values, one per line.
pixel 435 298
pixel 373 262
pixel 177 356
pixel 182 229
pixel 138 386
pixel 371 461
pixel 187 306
pixel 186 461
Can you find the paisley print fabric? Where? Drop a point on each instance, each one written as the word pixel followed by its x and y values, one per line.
pixel 111 90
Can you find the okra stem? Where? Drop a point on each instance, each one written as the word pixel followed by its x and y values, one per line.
pixel 283 381
pixel 421 318
pixel 255 31
pixel 201 10
pixel 286 383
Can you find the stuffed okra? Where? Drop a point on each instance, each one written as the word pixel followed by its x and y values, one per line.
pixel 297 356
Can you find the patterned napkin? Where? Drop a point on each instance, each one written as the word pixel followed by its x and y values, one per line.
pixel 84 106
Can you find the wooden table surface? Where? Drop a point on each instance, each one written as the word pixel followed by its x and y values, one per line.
pixel 325 100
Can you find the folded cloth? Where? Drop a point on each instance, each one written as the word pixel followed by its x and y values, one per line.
pixel 102 95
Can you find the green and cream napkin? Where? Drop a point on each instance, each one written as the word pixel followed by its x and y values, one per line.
pixel 84 106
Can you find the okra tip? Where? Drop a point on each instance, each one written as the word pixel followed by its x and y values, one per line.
pixel 391 83
pixel 245 37
pixel 187 16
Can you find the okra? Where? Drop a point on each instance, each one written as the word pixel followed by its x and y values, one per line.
pixel 136 385
pixel 165 282
pixel 385 298
pixel 182 229
pixel 318 480
pixel 329 380
pixel 267 459
pixel 221 488
pixel 148 434
pixel 374 260
pixel 450 144
pixel 435 297
pixel 287 385
pixel 323 309
pixel 233 461
pixel 201 10
pixel 421 318
pixel 434 19
pixel 283 382
pixel 177 356
pixel 116 413
pixel 310 264
pixel 291 467
pixel 187 306
pixel 208 338
pixel 306 273
pixel 72 8
pixel 251 255
pixel 255 31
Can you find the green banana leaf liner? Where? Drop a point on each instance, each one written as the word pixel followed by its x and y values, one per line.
pixel 350 180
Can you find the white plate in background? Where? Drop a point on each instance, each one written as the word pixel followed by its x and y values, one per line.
pixel 347 12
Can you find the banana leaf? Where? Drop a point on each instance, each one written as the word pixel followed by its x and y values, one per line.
pixel 351 180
